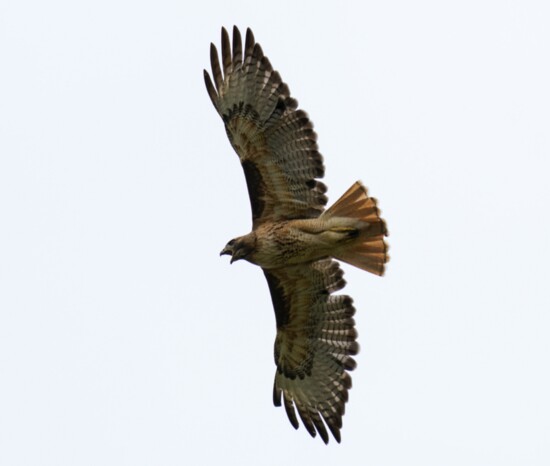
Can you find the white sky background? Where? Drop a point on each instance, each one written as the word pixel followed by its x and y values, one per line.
pixel 126 340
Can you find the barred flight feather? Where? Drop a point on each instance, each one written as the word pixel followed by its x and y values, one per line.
pixel 267 131
pixel 326 336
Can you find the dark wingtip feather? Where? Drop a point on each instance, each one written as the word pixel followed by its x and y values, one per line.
pixel 306 420
pixel 210 88
pixel 320 426
pixel 249 42
pixel 335 432
pixel 258 51
pixel 216 70
pixel 237 46
pixel 350 364
pixel 353 349
pixel 346 380
pixel 291 412
pixel 276 395
pixel 268 67
pixel 226 52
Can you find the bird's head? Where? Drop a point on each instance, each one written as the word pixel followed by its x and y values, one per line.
pixel 239 248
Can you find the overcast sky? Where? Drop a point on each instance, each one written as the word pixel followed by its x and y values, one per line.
pixel 126 340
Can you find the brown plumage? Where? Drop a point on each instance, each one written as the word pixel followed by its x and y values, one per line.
pixel 293 238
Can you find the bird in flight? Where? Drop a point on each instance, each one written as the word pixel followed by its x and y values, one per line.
pixel 294 239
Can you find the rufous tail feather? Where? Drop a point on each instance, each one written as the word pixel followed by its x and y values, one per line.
pixel 368 250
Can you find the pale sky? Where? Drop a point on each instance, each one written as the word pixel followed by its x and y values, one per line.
pixel 126 340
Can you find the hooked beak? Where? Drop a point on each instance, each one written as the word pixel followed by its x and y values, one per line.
pixel 227 251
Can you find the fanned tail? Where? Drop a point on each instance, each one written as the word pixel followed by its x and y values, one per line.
pixel 368 251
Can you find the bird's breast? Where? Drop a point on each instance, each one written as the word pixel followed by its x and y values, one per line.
pixel 289 243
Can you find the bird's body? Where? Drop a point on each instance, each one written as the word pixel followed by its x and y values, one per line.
pixel 294 239
pixel 292 242
pixel 302 241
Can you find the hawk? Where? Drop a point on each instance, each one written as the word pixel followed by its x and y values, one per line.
pixel 294 239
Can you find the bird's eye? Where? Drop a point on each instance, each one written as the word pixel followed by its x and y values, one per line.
pixel 231 243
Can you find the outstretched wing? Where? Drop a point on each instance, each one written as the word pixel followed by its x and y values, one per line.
pixel 316 338
pixel 275 142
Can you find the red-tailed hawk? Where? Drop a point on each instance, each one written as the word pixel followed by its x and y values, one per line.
pixel 293 238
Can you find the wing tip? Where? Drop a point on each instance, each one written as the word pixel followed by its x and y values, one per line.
pixel 213 94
